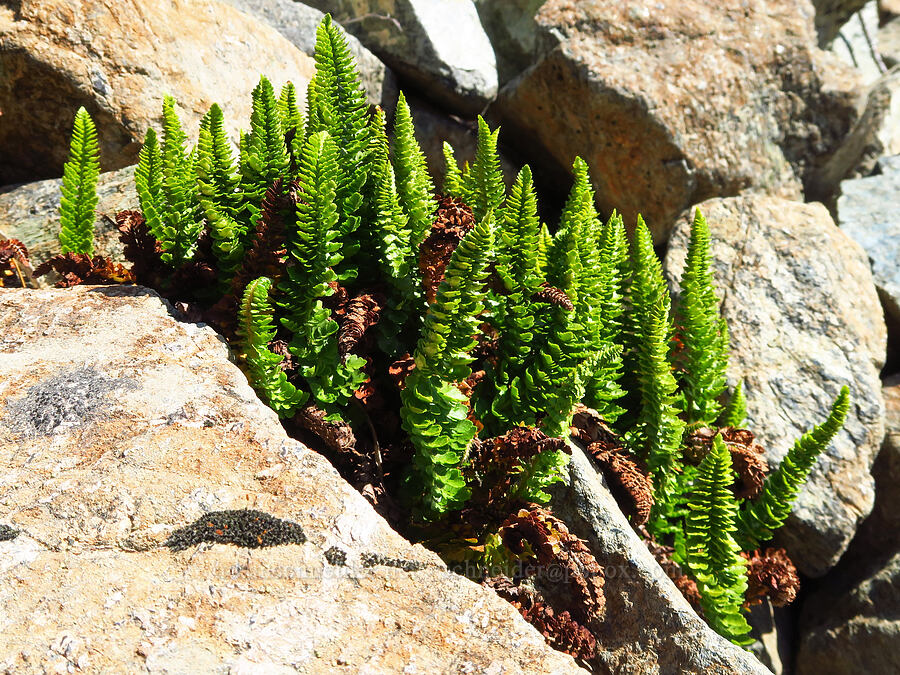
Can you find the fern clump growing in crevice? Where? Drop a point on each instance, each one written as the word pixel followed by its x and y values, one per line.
pixel 439 345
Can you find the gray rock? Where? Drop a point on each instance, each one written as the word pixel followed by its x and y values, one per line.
pixel 804 319
pixel 670 105
pixel 514 34
pixel 117 60
pixel 123 501
pixel 438 46
pixel 857 43
pixel 875 133
pixel 298 22
pixel 650 627
pixel 831 15
pixel 889 42
pixel 869 211
pixel 30 213
pixel 857 631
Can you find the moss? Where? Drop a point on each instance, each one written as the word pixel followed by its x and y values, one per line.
pixel 378 560
pixel 247 528
pixel 7 533
pixel 336 556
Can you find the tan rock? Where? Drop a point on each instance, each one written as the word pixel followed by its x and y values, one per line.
pixel 672 103
pixel 119 425
pixel 117 60
pixel 803 320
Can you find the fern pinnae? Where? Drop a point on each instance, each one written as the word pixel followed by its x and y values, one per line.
pixel 255 330
pixel 414 186
pixel 79 187
pixel 760 517
pixel 264 155
pixel 482 185
pixel 735 410
pixel 289 111
pixel 148 182
pixel 453 178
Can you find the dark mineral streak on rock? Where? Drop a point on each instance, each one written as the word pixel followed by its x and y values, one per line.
pixel 247 528
pixel 7 533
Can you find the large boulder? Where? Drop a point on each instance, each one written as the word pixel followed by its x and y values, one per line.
pixel 298 23
pixel 804 320
pixel 856 631
pixel 438 46
pixel 117 60
pixel 650 627
pixel 869 211
pixel 30 213
pixel 673 104
pixel 132 452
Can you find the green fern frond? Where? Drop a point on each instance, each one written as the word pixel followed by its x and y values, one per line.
pixel 735 410
pixel 760 517
pixel 255 331
pixel 148 182
pixel 434 411
pixel 544 242
pixel 414 186
pixel 704 358
pixel 289 112
pixel 264 154
pixel 79 187
pixel 453 179
pixel 482 185
pixel 713 556
pixel 659 429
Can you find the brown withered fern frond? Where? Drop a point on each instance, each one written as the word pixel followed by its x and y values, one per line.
pixel 589 427
pixel 631 487
pixel 553 296
pixel 771 573
pixel 81 268
pixel 141 249
pixel 400 369
pixel 337 435
pixel 560 630
pixel 453 221
pixel 564 562
pixel 360 314
pixel 14 263
pixel 747 456
pixel 687 586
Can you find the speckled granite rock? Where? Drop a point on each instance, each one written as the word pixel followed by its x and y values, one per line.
pixel 120 426
pixel 30 213
pixel 650 628
pixel 671 103
pixel 804 319
pixel 117 60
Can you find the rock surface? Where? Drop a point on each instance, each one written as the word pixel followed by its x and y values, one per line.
pixel 889 42
pixel 804 320
pixel 679 102
pixel 438 46
pixel 654 628
pixel 30 213
pixel 298 22
pixel 857 631
pixel 120 426
pixel 869 211
pixel 858 44
pixel 117 60
pixel 514 35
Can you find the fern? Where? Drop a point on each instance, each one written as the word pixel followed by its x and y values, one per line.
pixel 713 556
pixel 79 187
pixel 255 330
pixel 482 184
pixel 760 517
pixel 434 411
pixel 453 179
pixel 264 155
pixel 288 111
pixel 414 186
pixel 736 410
pixel 704 358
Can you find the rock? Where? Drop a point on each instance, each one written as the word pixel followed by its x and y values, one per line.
pixel 857 631
pixel 773 631
pixel 30 213
pixel 875 133
pixel 804 319
pixel 514 34
pixel 117 60
pixel 122 430
pixel 858 43
pixel 438 46
pixel 868 211
pixel 889 42
pixel 650 627
pixel 681 102
pixel 831 15
pixel 298 23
